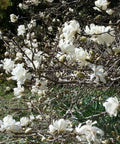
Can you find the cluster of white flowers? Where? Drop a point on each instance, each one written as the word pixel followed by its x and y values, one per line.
pixel 89 133
pixel 60 125
pixel 111 106
pixel 86 133
pixel 9 124
pixel 98 75
pixel 31 55
pixel 102 5
pixel 66 43
pixel 100 34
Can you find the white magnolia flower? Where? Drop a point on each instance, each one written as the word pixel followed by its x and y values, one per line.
pixel 23 6
pixel 8 65
pixel 100 34
pixel 82 55
pixel 24 121
pixel 60 125
pixel 101 4
pixel 110 11
pixel 21 30
pixel 18 92
pixel 50 1
pixel 111 106
pixel 10 125
pixel 20 74
pixel 35 2
pixel 70 29
pixel 32 117
pixel 66 47
pixel 89 133
pixel 34 43
pixel 32 24
pixel 19 56
pixel 13 18
pixel 98 74
pixel 39 117
pixel 50 28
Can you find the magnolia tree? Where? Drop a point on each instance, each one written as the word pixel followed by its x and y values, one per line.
pixel 63 57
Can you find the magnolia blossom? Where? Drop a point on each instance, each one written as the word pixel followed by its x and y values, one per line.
pixel 8 65
pixel 111 106
pixel 98 74
pixel 89 133
pixel 35 43
pixel 101 5
pixel 60 125
pixel 23 6
pixel 50 1
pixel 18 92
pixel 9 124
pixel 35 2
pixel 20 74
pixel 13 18
pixel 100 34
pixel 32 24
pixel 68 33
pixel 24 121
pixel 82 55
pixel 19 56
pixel 50 28
pixel 70 29
pixel 110 11
pixel 21 30
pixel 66 47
